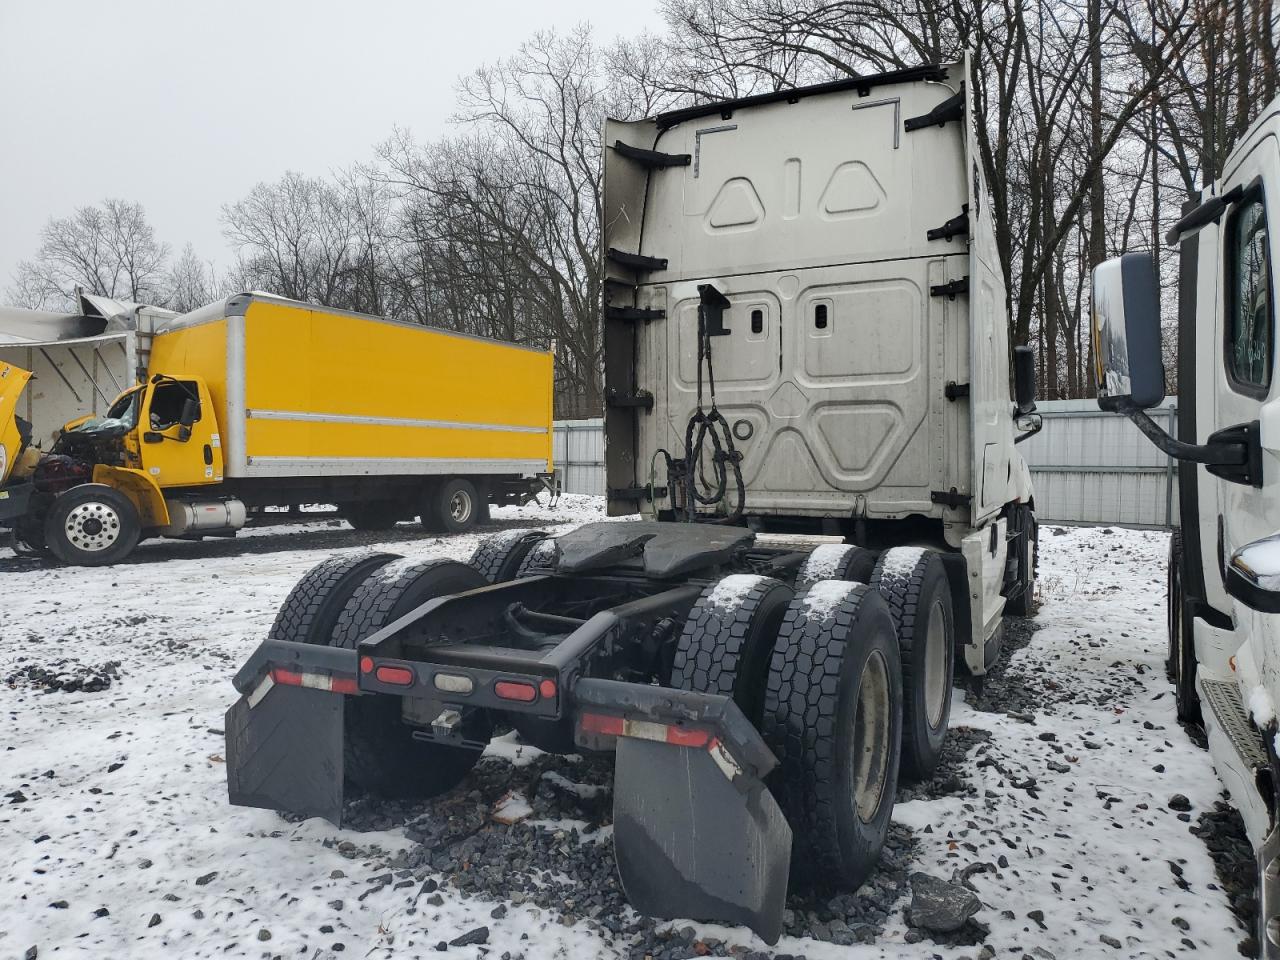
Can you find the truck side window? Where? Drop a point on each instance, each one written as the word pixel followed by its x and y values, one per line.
pixel 167 399
pixel 1248 297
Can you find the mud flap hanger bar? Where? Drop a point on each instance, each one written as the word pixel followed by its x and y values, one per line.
pixel 664 706
pixel 304 659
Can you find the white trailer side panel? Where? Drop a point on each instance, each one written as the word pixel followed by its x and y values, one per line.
pixel 72 378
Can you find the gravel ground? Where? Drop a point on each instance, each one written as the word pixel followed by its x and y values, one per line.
pixel 1071 816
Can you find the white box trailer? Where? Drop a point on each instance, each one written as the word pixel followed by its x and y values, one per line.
pixel 80 361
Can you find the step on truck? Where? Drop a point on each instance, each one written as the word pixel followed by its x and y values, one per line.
pixel 1224 557
pixel 805 334
pixel 257 401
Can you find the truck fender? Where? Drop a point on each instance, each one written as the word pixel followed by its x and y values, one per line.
pixel 140 489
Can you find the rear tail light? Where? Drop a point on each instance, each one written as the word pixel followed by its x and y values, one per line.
pixel 515 690
pixel 548 689
pixel 397 676
pixel 674 734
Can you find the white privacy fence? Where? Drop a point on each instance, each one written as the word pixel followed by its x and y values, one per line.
pixel 1087 466
pixel 1094 467
pixel 578 454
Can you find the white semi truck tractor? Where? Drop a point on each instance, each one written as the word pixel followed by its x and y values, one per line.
pixel 1224 559
pixel 805 333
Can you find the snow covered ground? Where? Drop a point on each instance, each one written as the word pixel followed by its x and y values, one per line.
pixel 118 839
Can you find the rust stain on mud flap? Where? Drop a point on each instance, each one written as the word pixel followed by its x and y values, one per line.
pixel 284 736
pixel 696 832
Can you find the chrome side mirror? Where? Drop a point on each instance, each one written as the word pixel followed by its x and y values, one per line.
pixel 1128 368
pixel 1253 574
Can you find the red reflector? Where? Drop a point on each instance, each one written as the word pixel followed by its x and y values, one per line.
pixel 287 677
pixel 400 676
pixel 547 688
pixel 684 737
pixel 602 724
pixel 344 685
pixel 366 664
pixel 514 690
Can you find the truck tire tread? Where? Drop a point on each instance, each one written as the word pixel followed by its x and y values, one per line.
pixel 725 645
pixel 910 580
pixel 809 681
pixel 311 610
pixel 500 556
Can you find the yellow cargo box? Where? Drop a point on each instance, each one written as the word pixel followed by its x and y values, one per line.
pixel 307 391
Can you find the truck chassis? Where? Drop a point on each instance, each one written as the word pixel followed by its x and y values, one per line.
pixel 696 654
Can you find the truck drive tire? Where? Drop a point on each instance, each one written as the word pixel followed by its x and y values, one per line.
pixel 452 506
pixel 381 754
pixel 539 561
pixel 832 715
pixel 372 514
pixel 836 561
pixel 728 639
pixel 92 525
pixel 913 583
pixel 310 611
pixel 1181 664
pixel 499 556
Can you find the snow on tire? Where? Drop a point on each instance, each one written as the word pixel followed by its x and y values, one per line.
pixel 499 556
pixel 728 639
pixel 311 610
pixel 832 716
pixel 381 754
pixel 836 561
pixel 539 561
pixel 914 585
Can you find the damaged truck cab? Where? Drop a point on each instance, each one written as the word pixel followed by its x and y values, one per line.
pixel 809 402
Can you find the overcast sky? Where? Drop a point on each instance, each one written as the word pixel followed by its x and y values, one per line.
pixel 184 106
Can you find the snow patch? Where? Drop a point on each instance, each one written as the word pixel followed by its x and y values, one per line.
pixel 825 562
pixel 733 589
pixel 900 561
pixel 824 596
pixel 1261 706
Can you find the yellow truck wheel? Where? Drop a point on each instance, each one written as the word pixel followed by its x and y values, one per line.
pixel 92 525
pixel 453 506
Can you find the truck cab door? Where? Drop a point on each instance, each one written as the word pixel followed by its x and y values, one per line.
pixel 1246 387
pixel 174 453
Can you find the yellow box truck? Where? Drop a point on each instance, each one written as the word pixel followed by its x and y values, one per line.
pixel 256 401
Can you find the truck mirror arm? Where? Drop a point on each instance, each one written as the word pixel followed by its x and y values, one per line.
pixel 1210 211
pixel 1234 453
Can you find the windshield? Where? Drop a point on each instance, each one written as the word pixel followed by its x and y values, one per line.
pixel 122 416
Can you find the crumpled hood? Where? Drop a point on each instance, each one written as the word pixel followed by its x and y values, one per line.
pixel 12 382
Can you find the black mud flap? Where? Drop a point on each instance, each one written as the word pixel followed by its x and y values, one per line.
pixel 691 843
pixel 284 743
pixel 696 833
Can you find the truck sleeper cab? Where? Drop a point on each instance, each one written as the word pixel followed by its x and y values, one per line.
pixel 258 401
pixel 762 694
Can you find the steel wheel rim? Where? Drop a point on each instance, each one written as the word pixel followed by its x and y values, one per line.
pixel 870 741
pixel 460 506
pixel 92 526
pixel 935 666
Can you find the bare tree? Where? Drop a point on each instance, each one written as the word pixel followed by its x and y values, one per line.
pixel 110 250
pixel 190 282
